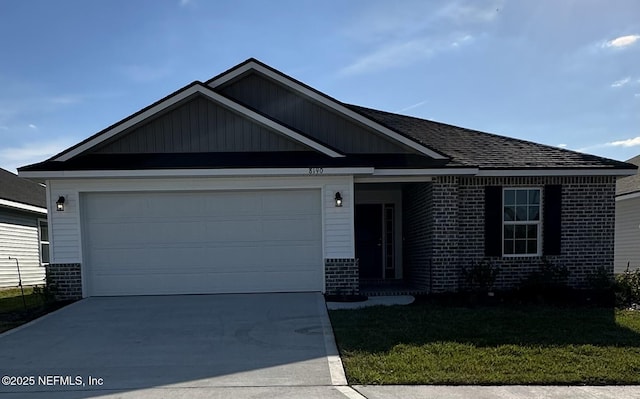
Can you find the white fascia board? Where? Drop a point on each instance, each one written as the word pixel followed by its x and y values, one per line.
pixel 426 172
pixel 79 174
pixel 216 98
pixel 629 196
pixel 21 206
pixel 392 179
pixel 556 172
pixel 329 103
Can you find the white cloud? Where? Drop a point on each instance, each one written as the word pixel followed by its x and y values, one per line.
pixel 622 41
pixel 399 36
pixel 633 142
pixel 392 55
pixel 621 82
pixel 475 11
pixel 32 126
pixel 637 95
pixel 466 39
pixel 413 106
pixel 562 145
pixel 28 153
pixel 65 100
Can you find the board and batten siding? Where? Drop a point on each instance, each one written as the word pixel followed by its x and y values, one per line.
pixel 19 239
pixel 198 125
pixel 305 115
pixel 65 227
pixel 627 241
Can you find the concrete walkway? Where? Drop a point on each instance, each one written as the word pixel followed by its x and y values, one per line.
pixel 498 392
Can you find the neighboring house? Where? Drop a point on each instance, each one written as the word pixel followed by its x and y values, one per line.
pixel 256 182
pixel 627 248
pixel 23 231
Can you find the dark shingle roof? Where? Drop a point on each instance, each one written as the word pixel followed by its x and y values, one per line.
pixel 486 150
pixel 629 184
pixel 17 189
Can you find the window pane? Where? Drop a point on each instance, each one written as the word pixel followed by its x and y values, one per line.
pixel 534 212
pixel 520 247
pixel 534 197
pixel 521 213
pixel 44 251
pixel 508 231
pixel 509 214
pixel 509 197
pixel 521 197
pixel 508 247
pixel 44 231
pixel 532 246
pixel 521 231
pixel 532 231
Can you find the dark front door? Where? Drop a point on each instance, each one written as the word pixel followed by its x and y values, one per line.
pixel 368 235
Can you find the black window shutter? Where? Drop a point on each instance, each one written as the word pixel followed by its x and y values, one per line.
pixel 551 220
pixel 493 221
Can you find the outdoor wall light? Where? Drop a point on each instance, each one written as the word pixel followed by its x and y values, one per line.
pixel 60 204
pixel 338 199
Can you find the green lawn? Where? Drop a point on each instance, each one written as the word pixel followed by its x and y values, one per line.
pixel 431 344
pixel 12 309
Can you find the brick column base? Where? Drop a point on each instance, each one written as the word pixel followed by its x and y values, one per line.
pixel 65 280
pixel 342 276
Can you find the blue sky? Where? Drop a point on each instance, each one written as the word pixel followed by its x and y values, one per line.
pixel 564 73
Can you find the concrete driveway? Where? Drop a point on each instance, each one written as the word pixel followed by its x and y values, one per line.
pixel 255 345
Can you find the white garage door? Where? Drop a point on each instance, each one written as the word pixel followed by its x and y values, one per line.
pixel 202 242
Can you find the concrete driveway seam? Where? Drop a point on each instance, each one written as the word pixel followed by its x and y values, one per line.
pixel 336 369
pixel 350 392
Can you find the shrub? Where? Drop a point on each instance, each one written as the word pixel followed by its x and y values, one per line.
pixel 481 276
pixel 548 283
pixel 627 288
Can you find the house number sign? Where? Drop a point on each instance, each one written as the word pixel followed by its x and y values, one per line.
pixel 316 171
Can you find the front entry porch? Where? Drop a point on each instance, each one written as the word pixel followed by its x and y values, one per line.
pixel 382 228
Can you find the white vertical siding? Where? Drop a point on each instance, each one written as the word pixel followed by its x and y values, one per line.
pixel 338 228
pixel 64 227
pixel 19 239
pixel 627 241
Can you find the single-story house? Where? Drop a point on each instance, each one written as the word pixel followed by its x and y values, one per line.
pixel 627 236
pixel 255 182
pixel 24 241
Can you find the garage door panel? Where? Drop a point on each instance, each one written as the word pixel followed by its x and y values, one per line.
pixel 204 242
pixel 218 283
pixel 118 234
pixel 232 230
pixel 291 229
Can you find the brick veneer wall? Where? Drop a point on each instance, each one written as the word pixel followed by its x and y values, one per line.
pixel 457 237
pixel 66 279
pixel 417 214
pixel 342 276
pixel 587 227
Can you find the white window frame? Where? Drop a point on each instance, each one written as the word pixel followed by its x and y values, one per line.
pixel 41 241
pixel 526 223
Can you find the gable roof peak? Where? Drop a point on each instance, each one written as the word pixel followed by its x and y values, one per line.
pixel 254 65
